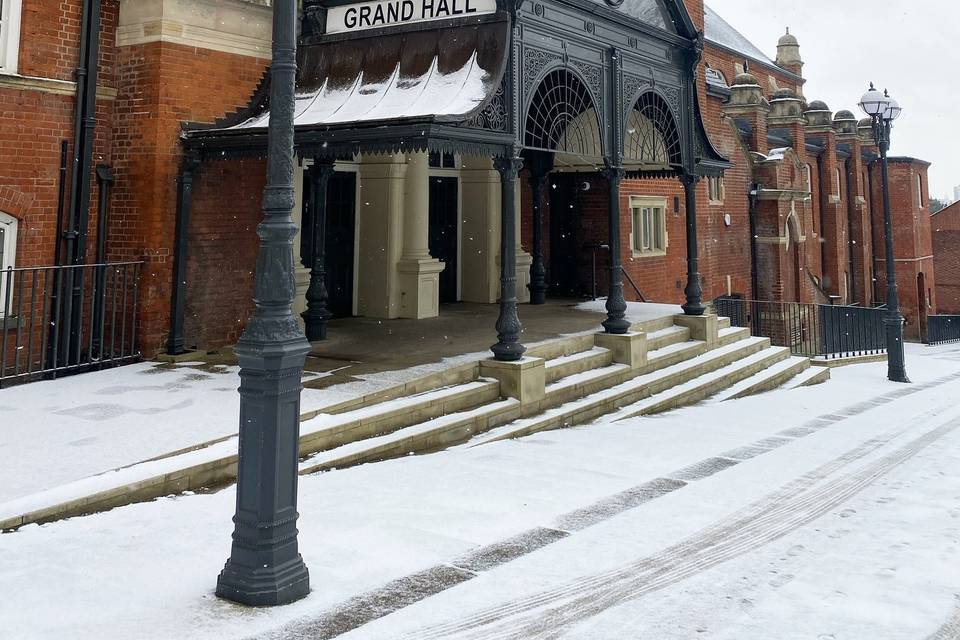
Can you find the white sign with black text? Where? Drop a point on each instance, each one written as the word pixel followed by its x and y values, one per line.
pixel 388 13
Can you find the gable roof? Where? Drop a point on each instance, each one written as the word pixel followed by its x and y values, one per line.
pixel 720 32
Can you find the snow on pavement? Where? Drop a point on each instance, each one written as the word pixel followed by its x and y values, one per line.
pixel 878 564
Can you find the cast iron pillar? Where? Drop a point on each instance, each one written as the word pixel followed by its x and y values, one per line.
pixel 508 347
pixel 616 321
pixel 178 298
pixel 693 291
pixel 265 567
pixel 540 166
pixel 893 321
pixel 316 316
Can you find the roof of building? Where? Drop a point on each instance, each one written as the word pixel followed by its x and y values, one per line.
pixel 719 31
pixel 950 209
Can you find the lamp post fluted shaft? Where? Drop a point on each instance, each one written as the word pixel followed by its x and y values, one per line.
pixel 893 322
pixel 265 567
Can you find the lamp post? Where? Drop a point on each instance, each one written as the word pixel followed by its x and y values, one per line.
pixel 883 110
pixel 265 567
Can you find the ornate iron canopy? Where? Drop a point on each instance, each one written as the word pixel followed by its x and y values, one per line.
pixel 595 82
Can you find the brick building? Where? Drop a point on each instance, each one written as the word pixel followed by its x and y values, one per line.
pixel 795 218
pixel 945 234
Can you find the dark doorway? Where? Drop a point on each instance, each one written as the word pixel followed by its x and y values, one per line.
pixel 341 218
pixel 443 233
pixel 563 275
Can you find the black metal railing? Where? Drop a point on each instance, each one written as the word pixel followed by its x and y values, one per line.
pixel 67 319
pixel 943 329
pixel 593 272
pixel 812 330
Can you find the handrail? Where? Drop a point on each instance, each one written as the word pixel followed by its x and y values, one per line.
pixel 633 284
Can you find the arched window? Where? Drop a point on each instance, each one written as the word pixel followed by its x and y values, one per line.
pixel 9 35
pixel 837 185
pixel 809 176
pixel 8 252
pixel 920 191
pixel 563 119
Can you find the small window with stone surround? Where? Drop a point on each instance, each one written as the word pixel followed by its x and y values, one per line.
pixel 649 235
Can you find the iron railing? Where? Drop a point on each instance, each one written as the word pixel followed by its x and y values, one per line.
pixel 811 330
pixel 67 319
pixel 943 329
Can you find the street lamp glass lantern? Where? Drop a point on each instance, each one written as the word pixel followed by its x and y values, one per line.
pixel 873 102
pixel 893 110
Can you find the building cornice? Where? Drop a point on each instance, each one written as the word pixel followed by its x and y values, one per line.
pixel 239 27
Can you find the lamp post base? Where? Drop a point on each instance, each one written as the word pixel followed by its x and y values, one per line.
pixel 896 367
pixel 264 586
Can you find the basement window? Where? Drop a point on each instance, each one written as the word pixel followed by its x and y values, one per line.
pixel 8 248
pixel 9 35
pixel 649 236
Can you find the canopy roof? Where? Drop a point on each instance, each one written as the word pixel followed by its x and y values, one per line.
pixel 443 75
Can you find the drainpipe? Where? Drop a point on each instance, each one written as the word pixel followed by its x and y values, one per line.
pixel 754 283
pixel 79 217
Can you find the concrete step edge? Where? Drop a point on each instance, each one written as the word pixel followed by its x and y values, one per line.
pixel 766 380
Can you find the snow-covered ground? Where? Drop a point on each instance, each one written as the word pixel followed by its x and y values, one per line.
pixel 59 431
pixel 845 527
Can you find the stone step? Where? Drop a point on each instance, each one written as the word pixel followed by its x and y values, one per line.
pixel 705 385
pixel 813 375
pixel 564 366
pixel 565 346
pixel 723 323
pixel 327 431
pixel 732 334
pixel 625 393
pixel 766 380
pixel 432 435
pixel 652 326
pixel 666 337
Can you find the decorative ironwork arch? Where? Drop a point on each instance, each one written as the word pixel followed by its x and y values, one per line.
pixel 652 136
pixel 562 117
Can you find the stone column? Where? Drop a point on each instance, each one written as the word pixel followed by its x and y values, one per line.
pixel 508 347
pixel 480 232
pixel 524 259
pixel 419 273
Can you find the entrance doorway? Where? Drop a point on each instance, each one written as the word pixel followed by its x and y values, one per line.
pixel 443 241
pixel 341 220
pixel 563 275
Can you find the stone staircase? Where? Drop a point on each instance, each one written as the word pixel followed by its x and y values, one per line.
pixel 660 366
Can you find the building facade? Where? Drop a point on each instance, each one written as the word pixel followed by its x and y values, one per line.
pixel 792 215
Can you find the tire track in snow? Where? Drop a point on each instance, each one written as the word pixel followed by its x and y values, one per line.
pixel 950 629
pixel 544 615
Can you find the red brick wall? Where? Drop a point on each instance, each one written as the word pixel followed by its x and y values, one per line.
pixel 162 85
pixel 913 250
pixel 223 251
pixel 33 122
pixel 945 236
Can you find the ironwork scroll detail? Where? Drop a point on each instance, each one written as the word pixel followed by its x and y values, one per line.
pixel 492 117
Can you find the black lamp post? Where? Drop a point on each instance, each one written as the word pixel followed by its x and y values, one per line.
pixel 883 110
pixel 265 567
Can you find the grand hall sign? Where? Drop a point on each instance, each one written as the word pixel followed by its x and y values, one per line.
pixel 387 13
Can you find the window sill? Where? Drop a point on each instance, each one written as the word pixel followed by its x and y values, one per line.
pixel 649 254
pixel 715 203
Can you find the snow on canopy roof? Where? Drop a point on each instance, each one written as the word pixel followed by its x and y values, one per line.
pixel 445 76
pixel 721 32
